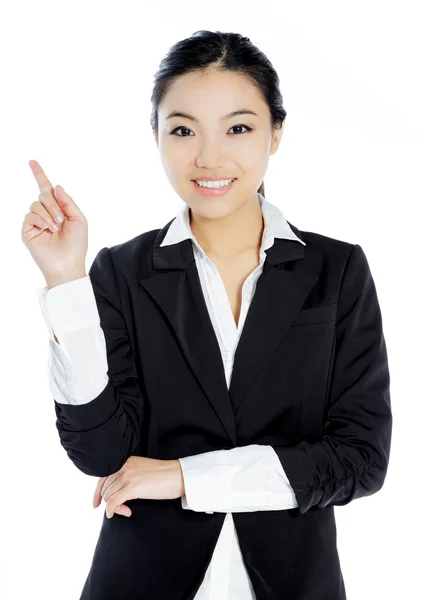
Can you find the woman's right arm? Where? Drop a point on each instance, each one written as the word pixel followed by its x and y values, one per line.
pixel 98 401
pixel 102 432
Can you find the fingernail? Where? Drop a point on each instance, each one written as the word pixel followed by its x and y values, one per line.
pixel 54 227
pixel 108 515
pixel 66 193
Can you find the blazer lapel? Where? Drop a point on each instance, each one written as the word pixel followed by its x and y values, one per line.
pixel 289 273
pixel 279 295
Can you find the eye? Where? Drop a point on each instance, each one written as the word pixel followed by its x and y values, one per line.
pixel 177 128
pixel 246 127
pixel 181 127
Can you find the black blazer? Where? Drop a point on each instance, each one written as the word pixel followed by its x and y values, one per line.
pixel 310 378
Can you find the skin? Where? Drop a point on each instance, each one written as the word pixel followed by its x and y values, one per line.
pixel 226 226
pixel 140 477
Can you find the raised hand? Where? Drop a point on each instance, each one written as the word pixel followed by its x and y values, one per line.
pixel 59 254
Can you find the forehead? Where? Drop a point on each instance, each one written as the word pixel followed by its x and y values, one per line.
pixel 211 93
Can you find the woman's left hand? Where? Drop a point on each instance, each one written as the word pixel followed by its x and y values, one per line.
pixel 139 477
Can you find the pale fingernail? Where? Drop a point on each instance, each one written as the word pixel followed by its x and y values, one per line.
pixel 54 227
pixel 108 515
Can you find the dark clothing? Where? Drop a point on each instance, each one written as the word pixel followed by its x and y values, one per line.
pixel 310 378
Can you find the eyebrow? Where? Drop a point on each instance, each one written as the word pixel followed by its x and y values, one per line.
pixel 235 113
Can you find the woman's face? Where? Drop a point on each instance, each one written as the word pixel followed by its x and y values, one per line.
pixel 211 144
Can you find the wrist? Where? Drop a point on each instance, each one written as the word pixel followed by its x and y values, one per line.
pixel 180 489
pixel 65 277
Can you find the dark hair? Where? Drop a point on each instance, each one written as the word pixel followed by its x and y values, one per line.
pixel 225 51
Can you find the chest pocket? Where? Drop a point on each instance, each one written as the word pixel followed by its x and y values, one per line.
pixel 316 314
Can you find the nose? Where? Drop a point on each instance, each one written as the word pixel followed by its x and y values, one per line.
pixel 211 157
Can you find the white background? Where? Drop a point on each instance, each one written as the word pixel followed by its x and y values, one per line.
pixel 76 83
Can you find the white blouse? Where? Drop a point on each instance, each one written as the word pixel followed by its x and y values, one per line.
pixel 241 479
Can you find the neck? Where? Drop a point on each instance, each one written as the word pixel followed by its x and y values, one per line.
pixel 232 234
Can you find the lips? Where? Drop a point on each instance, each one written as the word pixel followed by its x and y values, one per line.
pixel 213 178
pixel 212 192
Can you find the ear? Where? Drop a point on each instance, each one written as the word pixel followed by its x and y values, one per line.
pixel 277 136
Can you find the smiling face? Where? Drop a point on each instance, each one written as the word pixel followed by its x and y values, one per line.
pixel 213 144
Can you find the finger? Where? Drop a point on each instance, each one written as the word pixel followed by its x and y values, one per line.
pixel 57 201
pixel 97 498
pixel 40 177
pixel 117 500
pixel 124 510
pixel 33 225
pixel 50 203
pixel 39 209
pixel 35 219
pixel 107 483
pixel 121 509
pixel 67 204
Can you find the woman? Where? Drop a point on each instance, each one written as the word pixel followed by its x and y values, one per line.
pixel 225 376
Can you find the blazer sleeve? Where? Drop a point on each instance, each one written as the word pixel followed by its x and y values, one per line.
pixel 351 459
pixel 100 435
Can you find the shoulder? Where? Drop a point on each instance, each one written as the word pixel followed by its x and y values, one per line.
pixel 332 250
pixel 342 261
pixel 126 259
pixel 319 241
pixel 139 246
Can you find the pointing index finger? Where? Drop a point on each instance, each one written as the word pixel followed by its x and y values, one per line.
pixel 41 177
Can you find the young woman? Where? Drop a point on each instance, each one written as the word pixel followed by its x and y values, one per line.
pixel 225 375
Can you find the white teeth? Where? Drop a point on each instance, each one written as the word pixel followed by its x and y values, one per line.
pixel 214 184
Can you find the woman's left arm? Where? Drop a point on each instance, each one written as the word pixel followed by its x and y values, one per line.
pixel 351 459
